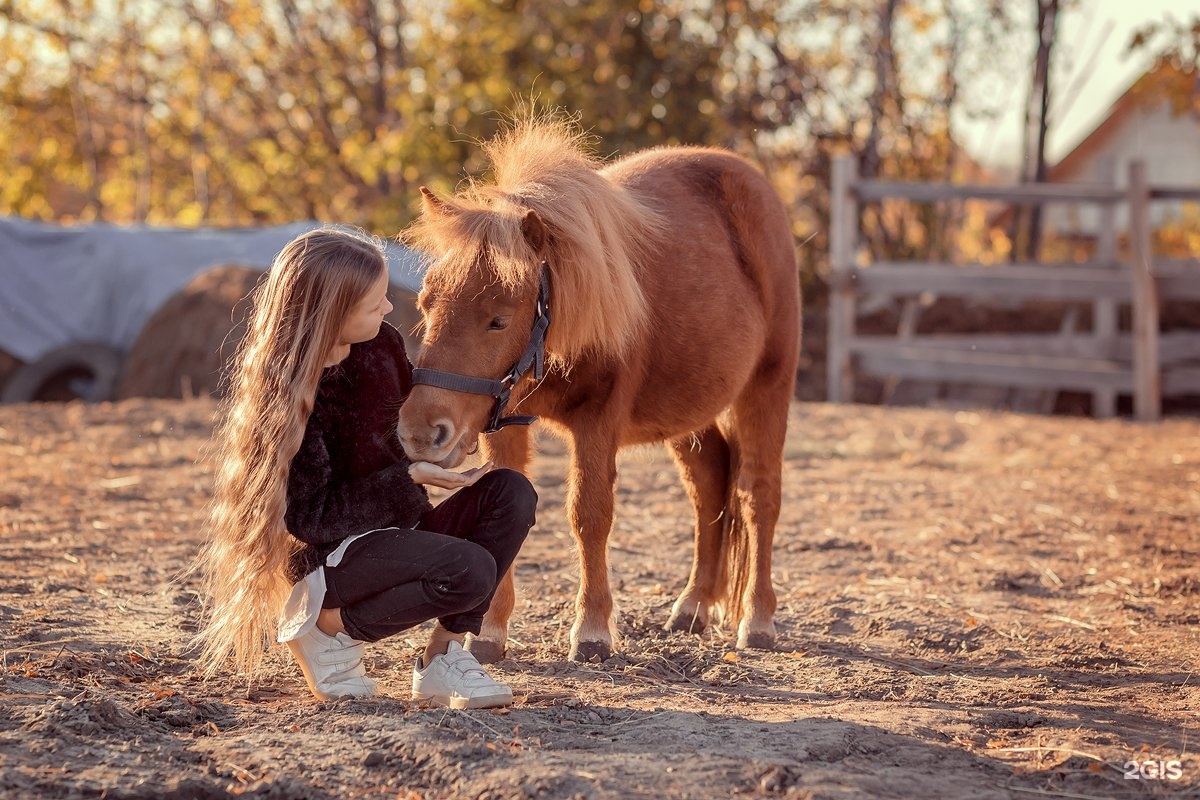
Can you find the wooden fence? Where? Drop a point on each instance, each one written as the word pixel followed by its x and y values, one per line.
pixel 1145 362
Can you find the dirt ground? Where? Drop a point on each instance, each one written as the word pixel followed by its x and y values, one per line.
pixel 971 605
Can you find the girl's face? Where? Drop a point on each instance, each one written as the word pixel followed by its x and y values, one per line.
pixel 362 324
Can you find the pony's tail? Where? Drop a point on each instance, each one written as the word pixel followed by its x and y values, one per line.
pixel 733 569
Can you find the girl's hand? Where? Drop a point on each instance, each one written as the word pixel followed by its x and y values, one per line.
pixel 432 475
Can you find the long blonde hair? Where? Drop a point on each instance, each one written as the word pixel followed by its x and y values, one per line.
pixel 298 313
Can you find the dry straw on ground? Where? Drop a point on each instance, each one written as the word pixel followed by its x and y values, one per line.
pixel 970 605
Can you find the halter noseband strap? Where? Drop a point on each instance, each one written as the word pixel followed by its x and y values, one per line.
pixel 534 357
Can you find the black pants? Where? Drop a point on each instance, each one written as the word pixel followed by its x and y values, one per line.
pixel 448 567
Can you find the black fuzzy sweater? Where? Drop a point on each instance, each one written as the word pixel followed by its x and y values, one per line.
pixel 350 474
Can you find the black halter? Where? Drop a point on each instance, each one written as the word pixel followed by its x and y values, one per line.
pixel 534 356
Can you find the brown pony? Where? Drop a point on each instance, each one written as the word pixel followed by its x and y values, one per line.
pixel 676 317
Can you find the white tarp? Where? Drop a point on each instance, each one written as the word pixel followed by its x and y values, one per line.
pixel 102 283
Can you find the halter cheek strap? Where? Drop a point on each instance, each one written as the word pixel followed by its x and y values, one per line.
pixel 533 358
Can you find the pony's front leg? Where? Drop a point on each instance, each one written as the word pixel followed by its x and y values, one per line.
pixel 491 644
pixel 593 476
pixel 507 447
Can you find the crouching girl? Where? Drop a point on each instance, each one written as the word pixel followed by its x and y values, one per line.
pixel 322 534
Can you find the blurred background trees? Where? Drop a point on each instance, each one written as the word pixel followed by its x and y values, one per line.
pixel 237 112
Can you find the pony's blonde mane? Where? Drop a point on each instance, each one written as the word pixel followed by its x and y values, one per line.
pixel 600 236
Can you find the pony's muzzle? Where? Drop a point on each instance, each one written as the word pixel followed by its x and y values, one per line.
pixel 435 441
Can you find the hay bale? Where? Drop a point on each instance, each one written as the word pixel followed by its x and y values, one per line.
pixel 184 348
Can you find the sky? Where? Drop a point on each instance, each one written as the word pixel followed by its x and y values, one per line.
pixel 1095 35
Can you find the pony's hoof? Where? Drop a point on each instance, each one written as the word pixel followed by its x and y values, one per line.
pixel 756 641
pixel 591 651
pixel 485 652
pixel 685 623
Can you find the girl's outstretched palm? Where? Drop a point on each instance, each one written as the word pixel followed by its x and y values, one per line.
pixel 432 475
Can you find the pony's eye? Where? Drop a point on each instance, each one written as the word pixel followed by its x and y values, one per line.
pixel 498 324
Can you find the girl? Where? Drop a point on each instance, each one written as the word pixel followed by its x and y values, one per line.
pixel 318 511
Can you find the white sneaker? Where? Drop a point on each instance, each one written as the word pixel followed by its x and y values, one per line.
pixel 332 665
pixel 456 680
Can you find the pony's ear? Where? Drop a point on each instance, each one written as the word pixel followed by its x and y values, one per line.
pixel 432 203
pixel 534 230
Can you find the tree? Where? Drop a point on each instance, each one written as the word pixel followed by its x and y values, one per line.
pixel 1175 48
pixel 1037 106
pixel 243 112
pixel 234 111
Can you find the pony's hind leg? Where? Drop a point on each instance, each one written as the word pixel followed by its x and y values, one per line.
pixel 759 428
pixel 703 461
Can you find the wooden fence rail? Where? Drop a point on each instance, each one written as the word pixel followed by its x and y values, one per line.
pixel 1103 362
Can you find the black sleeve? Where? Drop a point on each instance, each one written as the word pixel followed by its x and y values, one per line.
pixel 322 508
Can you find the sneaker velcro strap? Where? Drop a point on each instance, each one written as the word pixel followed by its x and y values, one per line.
pixel 352 653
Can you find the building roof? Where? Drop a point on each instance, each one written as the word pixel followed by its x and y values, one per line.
pixel 1164 82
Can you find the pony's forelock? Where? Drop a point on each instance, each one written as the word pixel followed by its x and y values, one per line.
pixel 455 244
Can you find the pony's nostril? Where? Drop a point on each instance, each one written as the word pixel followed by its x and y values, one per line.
pixel 442 431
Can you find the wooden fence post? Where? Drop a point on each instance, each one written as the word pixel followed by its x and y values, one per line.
pixel 843 238
pixel 1147 383
pixel 1104 311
